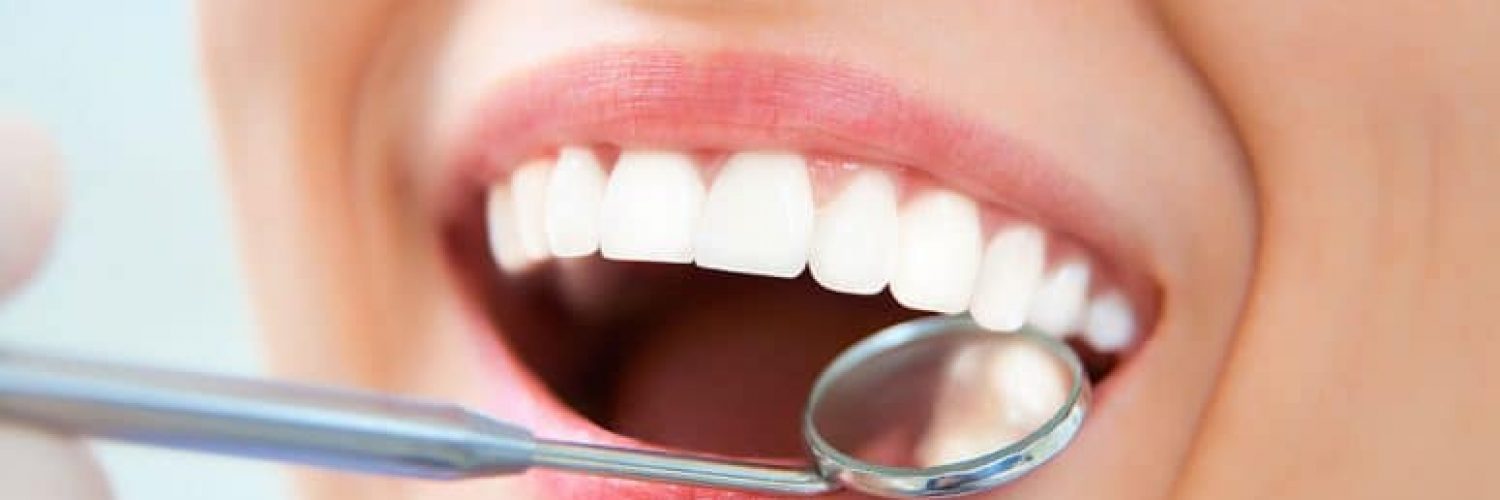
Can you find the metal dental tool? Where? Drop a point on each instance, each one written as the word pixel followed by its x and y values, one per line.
pixel 930 407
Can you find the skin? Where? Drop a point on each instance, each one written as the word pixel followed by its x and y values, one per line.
pixel 35 463
pixel 322 125
pixel 1373 284
pixel 1361 135
pixel 1324 272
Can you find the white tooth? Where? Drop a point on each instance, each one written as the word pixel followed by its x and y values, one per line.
pixel 1012 268
pixel 528 189
pixel 650 207
pixel 990 395
pixel 1111 323
pixel 937 253
pixel 505 240
pixel 854 240
pixel 1057 307
pixel 758 216
pixel 574 194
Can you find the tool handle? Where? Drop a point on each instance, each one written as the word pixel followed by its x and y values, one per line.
pixel 362 432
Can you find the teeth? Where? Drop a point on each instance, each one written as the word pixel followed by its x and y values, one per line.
pixel 505 240
pixel 1012 269
pixel 574 194
pixel 758 216
pixel 650 206
pixel 937 256
pixel 854 245
pixel 990 394
pixel 528 188
pixel 1111 323
pixel 1058 305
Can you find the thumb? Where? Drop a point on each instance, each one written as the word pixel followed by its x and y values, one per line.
pixel 34 463
pixel 39 464
pixel 30 198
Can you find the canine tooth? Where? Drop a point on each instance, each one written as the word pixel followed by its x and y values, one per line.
pixel 758 216
pixel 651 205
pixel 500 221
pixel 574 194
pixel 1058 305
pixel 528 189
pixel 854 239
pixel 1111 323
pixel 1012 268
pixel 937 253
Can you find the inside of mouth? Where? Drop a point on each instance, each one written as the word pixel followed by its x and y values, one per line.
pixel 688 358
pixel 680 356
pixel 691 359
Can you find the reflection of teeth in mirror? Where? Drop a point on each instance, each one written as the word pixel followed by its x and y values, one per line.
pixel 989 398
pixel 860 228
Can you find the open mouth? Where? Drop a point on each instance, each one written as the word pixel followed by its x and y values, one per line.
pixel 665 250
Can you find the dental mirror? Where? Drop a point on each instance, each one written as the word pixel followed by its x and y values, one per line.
pixel 939 406
pixel 926 408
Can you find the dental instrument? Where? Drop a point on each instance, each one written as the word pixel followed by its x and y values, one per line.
pixel 880 419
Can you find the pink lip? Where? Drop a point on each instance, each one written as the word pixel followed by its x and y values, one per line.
pixel 736 101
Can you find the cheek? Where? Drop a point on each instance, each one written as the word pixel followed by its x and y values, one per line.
pixel 320 250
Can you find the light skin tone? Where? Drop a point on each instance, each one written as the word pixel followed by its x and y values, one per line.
pixel 35 463
pixel 1309 185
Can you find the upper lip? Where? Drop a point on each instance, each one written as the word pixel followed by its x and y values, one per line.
pixel 738 101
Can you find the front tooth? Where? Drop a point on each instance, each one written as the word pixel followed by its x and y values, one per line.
pixel 937 254
pixel 650 206
pixel 500 220
pixel 1058 305
pixel 758 216
pixel 528 187
pixel 854 240
pixel 1012 268
pixel 1111 323
pixel 574 194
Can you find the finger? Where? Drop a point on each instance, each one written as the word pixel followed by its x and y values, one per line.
pixel 34 463
pixel 30 198
pixel 38 464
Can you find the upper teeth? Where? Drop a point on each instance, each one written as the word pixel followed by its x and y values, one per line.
pixel 760 217
pixel 854 239
pixel 650 208
pixel 937 255
pixel 574 194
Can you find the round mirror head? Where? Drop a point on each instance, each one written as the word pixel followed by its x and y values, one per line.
pixel 940 406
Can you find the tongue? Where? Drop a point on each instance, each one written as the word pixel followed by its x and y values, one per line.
pixel 728 372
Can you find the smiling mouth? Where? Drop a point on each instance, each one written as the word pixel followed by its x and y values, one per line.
pixel 666 249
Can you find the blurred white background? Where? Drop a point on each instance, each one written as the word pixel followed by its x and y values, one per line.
pixel 144 268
